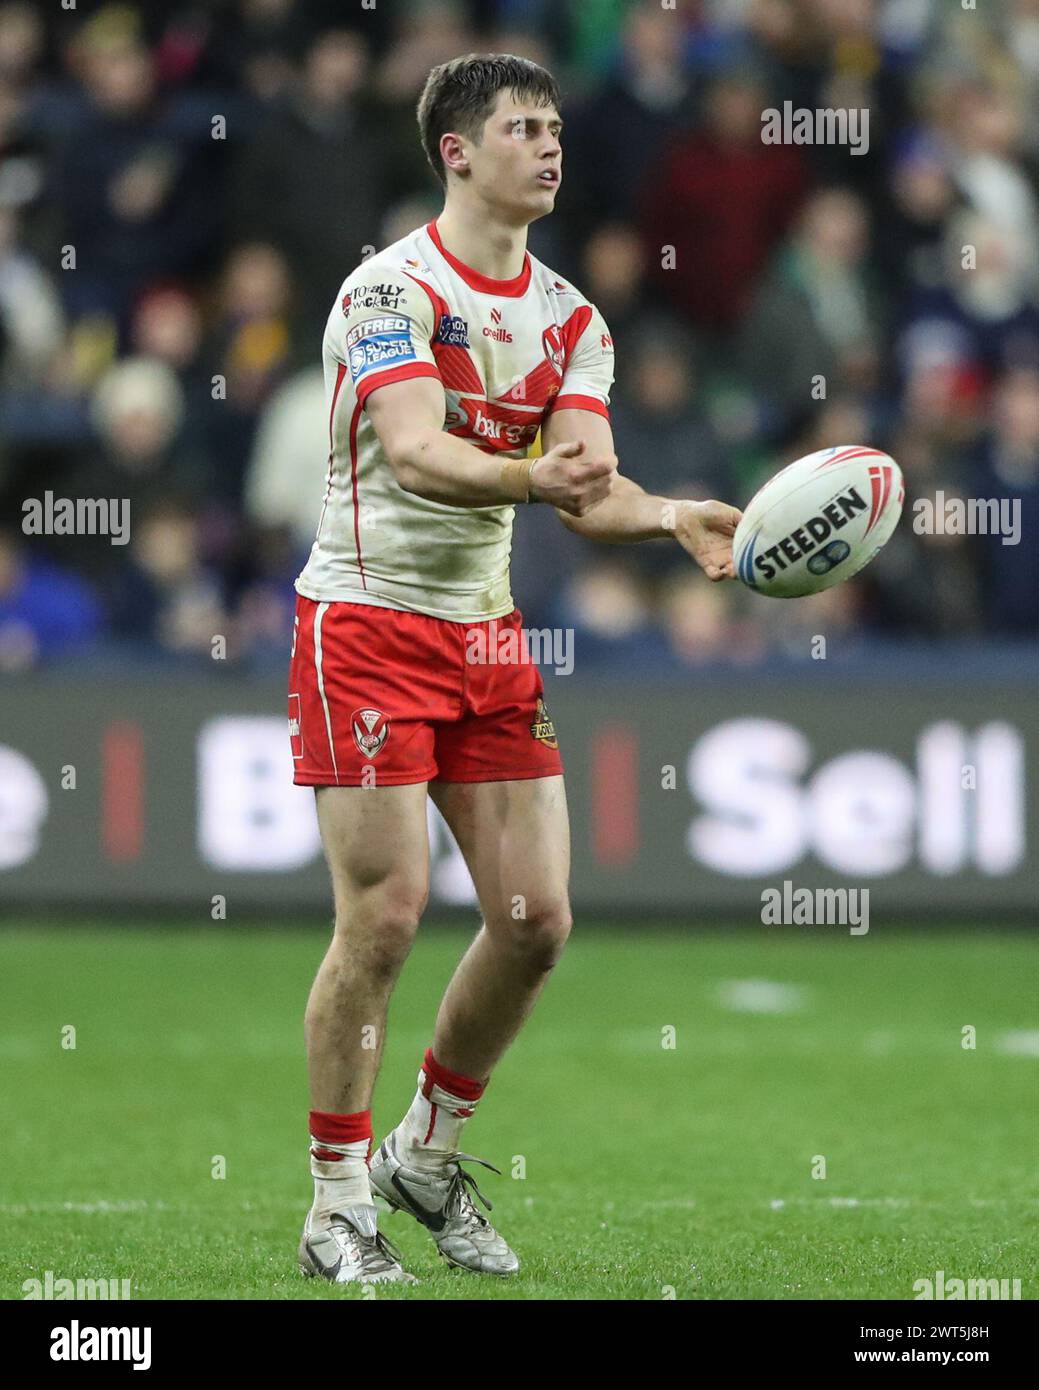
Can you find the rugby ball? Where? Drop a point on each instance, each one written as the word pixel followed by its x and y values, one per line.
pixel 818 521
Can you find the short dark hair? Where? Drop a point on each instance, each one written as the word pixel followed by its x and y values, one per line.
pixel 459 95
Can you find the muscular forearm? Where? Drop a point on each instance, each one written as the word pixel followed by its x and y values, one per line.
pixel 442 468
pixel 629 514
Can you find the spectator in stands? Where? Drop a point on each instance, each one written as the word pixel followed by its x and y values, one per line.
pixel 46 611
pixel 613 277
pixel 816 324
pixel 32 325
pixel 167 327
pixel 1008 469
pixel 924 582
pixel 722 200
pixel 313 180
pixel 138 411
pixel 23 156
pixel 790 630
pixel 134 176
pixel 667 444
pixel 266 603
pixel 986 125
pixel 249 350
pixel 984 308
pixel 138 457
pixel 289 462
pixel 707 623
pixel 615 138
pixel 165 597
pixel 920 198
pixel 429 32
pixel 21 44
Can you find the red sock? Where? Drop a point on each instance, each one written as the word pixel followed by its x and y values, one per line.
pixel 331 1134
pixel 445 1099
pixel 452 1082
pixel 340 1147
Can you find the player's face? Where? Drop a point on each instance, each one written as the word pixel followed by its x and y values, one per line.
pixel 518 165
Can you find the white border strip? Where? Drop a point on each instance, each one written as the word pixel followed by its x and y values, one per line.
pixel 322 609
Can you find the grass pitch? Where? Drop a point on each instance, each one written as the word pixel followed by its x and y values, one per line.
pixel 632 1169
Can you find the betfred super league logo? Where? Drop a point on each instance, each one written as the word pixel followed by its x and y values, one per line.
pixel 371 730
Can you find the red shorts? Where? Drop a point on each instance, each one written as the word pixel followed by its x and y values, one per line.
pixel 381 697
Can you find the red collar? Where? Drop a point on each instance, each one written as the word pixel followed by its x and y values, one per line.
pixel 506 289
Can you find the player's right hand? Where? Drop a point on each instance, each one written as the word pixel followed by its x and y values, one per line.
pixel 566 479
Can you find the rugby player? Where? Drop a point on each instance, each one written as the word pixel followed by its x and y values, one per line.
pixel 445 356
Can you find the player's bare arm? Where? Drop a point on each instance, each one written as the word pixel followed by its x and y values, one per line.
pixel 703 529
pixel 408 417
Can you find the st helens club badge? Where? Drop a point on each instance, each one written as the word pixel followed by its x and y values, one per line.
pixel 371 730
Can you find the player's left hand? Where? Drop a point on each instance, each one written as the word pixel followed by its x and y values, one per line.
pixel 705 530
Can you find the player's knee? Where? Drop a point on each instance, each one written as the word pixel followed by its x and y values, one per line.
pixel 541 933
pixel 380 928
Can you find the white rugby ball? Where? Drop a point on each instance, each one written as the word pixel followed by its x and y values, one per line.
pixel 818 521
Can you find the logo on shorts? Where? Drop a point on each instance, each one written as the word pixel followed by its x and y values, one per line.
pixel 295 726
pixel 371 730
pixel 542 728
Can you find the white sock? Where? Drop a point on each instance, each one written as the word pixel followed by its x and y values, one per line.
pixel 432 1129
pixel 340 1182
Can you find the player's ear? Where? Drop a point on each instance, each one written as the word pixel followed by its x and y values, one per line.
pixel 452 152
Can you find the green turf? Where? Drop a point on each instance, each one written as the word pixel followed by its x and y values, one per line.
pixel 648 1169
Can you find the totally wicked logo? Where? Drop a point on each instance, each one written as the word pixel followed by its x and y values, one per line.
pixel 385 296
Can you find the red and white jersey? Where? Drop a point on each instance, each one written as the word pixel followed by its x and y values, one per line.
pixel 507 352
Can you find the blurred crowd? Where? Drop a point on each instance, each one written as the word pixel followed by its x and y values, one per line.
pixel 184 184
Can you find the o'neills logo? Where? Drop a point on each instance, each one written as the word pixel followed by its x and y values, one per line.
pixel 499 334
pixel 542 728
pixel 371 730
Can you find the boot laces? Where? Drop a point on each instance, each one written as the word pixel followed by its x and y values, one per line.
pixel 378 1254
pixel 459 1202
